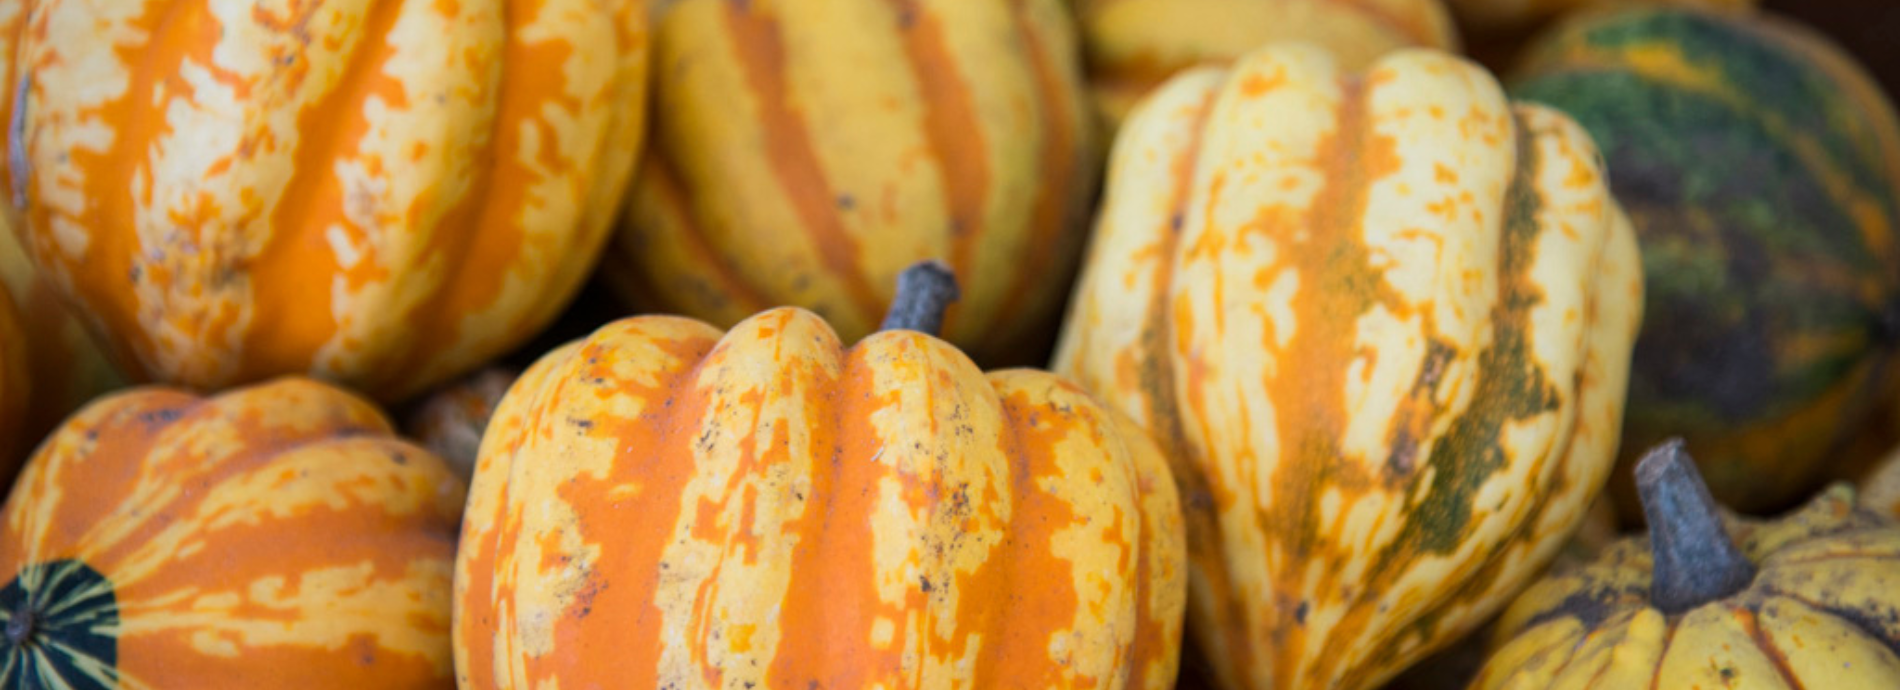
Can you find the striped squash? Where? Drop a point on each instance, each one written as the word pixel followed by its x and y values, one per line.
pixel 806 151
pixel 276 536
pixel 1516 16
pixel 1805 601
pixel 1761 169
pixel 660 505
pixel 1132 46
pixel 380 193
pixel 1381 320
pixel 451 421
pixel 61 366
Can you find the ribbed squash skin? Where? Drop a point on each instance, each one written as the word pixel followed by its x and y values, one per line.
pixel 1819 614
pixel 277 536
pixel 1762 171
pixel 1132 46
pixel 661 505
pixel 379 193
pixel 1382 323
pixel 1515 15
pixel 61 365
pixel 807 151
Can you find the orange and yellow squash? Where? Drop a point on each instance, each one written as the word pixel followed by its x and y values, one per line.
pixel 806 151
pixel 381 194
pixel 277 536
pixel 1806 601
pixel 1132 46
pixel 1382 322
pixel 663 505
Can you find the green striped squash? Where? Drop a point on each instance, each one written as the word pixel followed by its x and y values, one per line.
pixel 1760 167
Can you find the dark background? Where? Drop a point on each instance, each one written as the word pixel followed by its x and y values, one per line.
pixel 1869 29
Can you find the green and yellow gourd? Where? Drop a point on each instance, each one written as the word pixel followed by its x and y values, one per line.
pixel 1708 601
pixel 1382 323
pixel 1761 170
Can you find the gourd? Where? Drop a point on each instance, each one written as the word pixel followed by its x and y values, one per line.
pixel 274 536
pixel 1132 46
pixel 1381 323
pixel 1761 168
pixel 1880 488
pixel 807 151
pixel 451 421
pixel 663 505
pixel 49 364
pixel 379 194
pixel 1713 601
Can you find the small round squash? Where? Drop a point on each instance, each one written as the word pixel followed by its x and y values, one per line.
pixel 662 505
pixel 1805 601
pixel 384 194
pixel 276 536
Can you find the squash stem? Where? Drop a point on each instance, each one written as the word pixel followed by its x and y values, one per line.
pixel 1696 562
pixel 924 292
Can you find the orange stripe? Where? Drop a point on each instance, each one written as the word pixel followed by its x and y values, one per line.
pixel 832 601
pixel 954 130
pixel 1055 218
pixel 291 276
pixel 760 52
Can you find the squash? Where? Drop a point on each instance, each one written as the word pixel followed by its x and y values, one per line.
pixel 1517 16
pixel 275 536
pixel 661 505
pixel 380 194
pixel 45 376
pixel 806 152
pixel 1880 488
pixel 1132 46
pixel 451 421
pixel 1761 168
pixel 1381 322
pixel 1805 601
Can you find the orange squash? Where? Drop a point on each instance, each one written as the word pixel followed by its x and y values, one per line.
pixel 49 364
pixel 1382 321
pixel 807 151
pixel 663 505
pixel 382 194
pixel 276 536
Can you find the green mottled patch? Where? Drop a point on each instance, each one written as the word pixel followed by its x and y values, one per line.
pixel 1746 252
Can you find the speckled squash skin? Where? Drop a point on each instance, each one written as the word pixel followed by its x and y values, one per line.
pixel 275 536
pixel 806 151
pixel 383 194
pixel 60 365
pixel 664 505
pixel 1381 321
pixel 1761 169
pixel 1820 613
pixel 1132 46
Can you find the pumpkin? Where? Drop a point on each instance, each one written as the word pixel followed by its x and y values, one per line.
pixel 1761 169
pixel 1381 322
pixel 274 536
pixel 661 505
pixel 1804 601
pixel 1515 16
pixel 1132 46
pixel 51 373
pixel 381 194
pixel 451 421
pixel 808 151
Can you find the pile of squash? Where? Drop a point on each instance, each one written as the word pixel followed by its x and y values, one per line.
pixel 1235 344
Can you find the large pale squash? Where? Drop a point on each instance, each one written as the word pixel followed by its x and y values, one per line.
pixel 806 151
pixel 277 536
pixel 661 505
pixel 1132 46
pixel 1382 321
pixel 1806 601
pixel 1761 168
pixel 382 194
